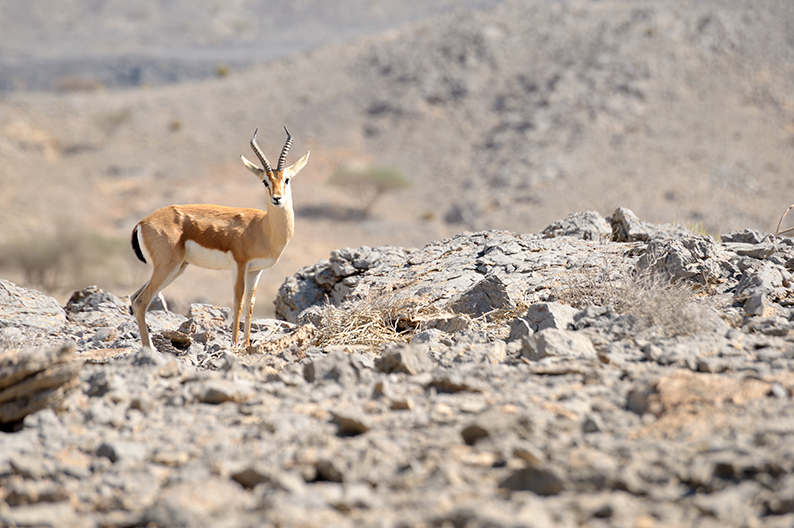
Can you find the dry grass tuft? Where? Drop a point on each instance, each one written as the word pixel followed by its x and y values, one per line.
pixel 502 316
pixel 778 231
pixel 393 317
pixel 669 307
pixel 593 286
pixel 370 322
pixel 299 339
pixel 396 317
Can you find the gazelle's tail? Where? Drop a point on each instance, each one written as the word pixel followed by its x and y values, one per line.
pixel 136 245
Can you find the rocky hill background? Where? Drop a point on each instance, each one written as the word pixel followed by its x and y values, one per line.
pixel 508 116
pixel 602 372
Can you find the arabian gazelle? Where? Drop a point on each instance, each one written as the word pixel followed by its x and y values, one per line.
pixel 245 241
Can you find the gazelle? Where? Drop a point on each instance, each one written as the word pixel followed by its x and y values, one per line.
pixel 245 241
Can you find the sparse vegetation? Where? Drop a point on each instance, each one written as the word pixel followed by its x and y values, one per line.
pixel 698 229
pixel 395 317
pixel 370 322
pixel 368 185
pixel 111 121
pixel 67 259
pixel 222 70
pixel 429 216
pixel 778 231
pixel 656 302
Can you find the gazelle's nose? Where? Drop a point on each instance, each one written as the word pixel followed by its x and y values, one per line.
pixel 277 200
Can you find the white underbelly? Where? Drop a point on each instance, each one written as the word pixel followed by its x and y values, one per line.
pixel 207 258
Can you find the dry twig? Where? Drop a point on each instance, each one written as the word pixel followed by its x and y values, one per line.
pixel 778 231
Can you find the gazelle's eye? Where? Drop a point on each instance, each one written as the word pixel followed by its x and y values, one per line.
pixel 286 182
pixel 267 183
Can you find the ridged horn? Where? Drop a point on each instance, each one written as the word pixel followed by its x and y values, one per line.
pixel 260 154
pixel 283 158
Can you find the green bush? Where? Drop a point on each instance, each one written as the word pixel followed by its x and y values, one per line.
pixel 368 185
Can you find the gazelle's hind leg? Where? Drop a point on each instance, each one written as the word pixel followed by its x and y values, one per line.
pixel 161 277
pixel 251 281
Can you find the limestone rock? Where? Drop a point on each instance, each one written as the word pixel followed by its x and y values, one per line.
pixel 491 424
pixel 23 307
pixel 558 343
pixel 330 279
pixel 487 295
pixel 409 359
pixel 588 225
pixel 34 379
pixel 540 316
pixel 93 299
pixel 333 367
pixel 627 227
pixel 350 422
pixel 539 480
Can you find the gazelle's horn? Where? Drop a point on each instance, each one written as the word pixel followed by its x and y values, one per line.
pixel 283 158
pixel 260 154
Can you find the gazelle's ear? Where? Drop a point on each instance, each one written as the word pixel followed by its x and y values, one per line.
pixel 296 167
pixel 259 173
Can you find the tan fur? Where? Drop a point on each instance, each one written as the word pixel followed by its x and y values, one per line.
pixel 243 240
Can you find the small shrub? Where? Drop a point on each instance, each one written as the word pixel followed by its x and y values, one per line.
pixel 368 185
pixel 656 303
pixel 222 70
pixel 111 121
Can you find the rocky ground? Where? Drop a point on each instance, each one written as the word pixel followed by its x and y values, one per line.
pixel 602 372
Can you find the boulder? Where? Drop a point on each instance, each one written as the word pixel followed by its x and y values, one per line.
pixel 28 308
pixel 627 227
pixel 540 316
pixel 487 295
pixel 588 225
pixel 558 343
pixel 35 379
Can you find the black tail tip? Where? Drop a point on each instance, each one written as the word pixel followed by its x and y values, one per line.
pixel 136 246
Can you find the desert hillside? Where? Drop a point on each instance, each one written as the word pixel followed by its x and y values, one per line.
pixel 509 116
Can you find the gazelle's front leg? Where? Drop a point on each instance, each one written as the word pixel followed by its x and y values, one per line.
pixel 238 276
pixel 251 280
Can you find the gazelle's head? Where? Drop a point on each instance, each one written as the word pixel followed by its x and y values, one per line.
pixel 277 182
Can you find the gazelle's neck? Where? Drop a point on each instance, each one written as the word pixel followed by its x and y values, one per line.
pixel 281 223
